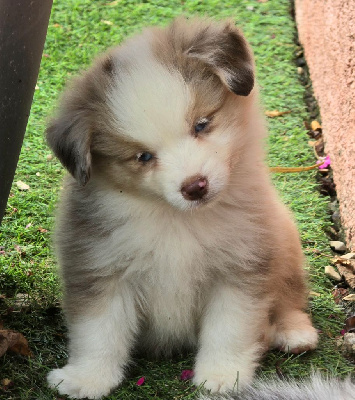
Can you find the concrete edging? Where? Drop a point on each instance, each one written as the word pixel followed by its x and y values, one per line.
pixel 327 33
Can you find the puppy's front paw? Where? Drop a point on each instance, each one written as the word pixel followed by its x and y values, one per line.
pixel 223 381
pixel 296 340
pixel 78 382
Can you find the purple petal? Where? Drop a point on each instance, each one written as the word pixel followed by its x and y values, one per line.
pixel 141 381
pixel 325 164
pixel 343 332
pixel 186 374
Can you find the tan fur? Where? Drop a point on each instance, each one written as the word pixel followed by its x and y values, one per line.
pixel 140 262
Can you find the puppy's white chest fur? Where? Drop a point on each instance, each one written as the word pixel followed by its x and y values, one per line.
pixel 167 269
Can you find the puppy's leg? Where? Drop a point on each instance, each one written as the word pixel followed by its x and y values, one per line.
pixel 294 332
pixel 230 344
pixel 100 339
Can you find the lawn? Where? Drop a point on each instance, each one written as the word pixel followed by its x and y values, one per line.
pixel 78 30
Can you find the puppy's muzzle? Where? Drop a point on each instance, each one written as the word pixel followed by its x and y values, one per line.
pixel 195 188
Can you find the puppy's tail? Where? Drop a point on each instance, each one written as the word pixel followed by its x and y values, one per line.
pixel 316 388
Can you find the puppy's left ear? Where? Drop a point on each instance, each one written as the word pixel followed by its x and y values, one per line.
pixel 224 48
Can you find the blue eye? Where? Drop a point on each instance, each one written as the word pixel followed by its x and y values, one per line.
pixel 144 157
pixel 201 125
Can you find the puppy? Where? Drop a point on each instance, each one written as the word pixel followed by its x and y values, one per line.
pixel 169 233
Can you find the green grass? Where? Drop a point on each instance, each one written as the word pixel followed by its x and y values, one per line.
pixel 76 34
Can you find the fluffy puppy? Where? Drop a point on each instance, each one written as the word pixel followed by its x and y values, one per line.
pixel 169 233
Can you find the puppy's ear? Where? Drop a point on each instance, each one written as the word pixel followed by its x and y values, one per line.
pixel 69 137
pixel 69 134
pixel 223 47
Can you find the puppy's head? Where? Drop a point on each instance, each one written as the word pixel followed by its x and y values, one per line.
pixel 160 116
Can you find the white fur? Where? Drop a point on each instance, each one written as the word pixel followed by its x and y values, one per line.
pixel 99 349
pixel 228 341
pixel 316 388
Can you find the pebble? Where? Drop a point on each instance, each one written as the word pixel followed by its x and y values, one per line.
pixel 332 273
pixel 348 346
pixel 338 246
pixel 348 256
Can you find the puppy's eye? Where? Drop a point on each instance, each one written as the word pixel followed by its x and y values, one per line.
pixel 144 157
pixel 201 125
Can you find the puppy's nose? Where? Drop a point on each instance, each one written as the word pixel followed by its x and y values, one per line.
pixel 194 188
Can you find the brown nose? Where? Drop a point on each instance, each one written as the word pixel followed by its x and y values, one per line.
pixel 194 188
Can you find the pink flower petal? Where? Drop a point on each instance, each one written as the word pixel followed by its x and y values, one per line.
pixel 186 374
pixel 325 164
pixel 141 381
pixel 343 332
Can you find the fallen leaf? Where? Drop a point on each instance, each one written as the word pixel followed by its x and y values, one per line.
pixel 349 297
pixel 338 294
pixel 276 113
pixel 319 147
pixel 42 230
pixel 14 341
pixel 350 324
pixel 312 294
pixel 186 374
pixel 113 3
pixel 6 382
pixel 140 381
pixel 347 274
pixel 22 185
pixel 315 126
pixel 57 26
pixel 106 22
pixel 19 250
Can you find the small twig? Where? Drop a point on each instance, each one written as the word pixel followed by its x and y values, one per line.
pixel 292 169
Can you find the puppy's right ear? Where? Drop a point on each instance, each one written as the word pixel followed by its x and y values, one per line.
pixel 69 136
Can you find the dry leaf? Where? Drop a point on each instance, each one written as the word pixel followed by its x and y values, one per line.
pixel 6 382
pixel 350 324
pixel 57 26
pixel 350 297
pixel 42 230
pixel 315 126
pixel 338 294
pixel 347 274
pixel 312 294
pixel 276 113
pixel 14 341
pixel 22 185
pixel 106 22
pixel 113 3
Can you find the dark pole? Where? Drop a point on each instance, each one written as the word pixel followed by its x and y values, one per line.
pixel 23 28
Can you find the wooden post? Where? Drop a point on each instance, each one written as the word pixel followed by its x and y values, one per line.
pixel 23 28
